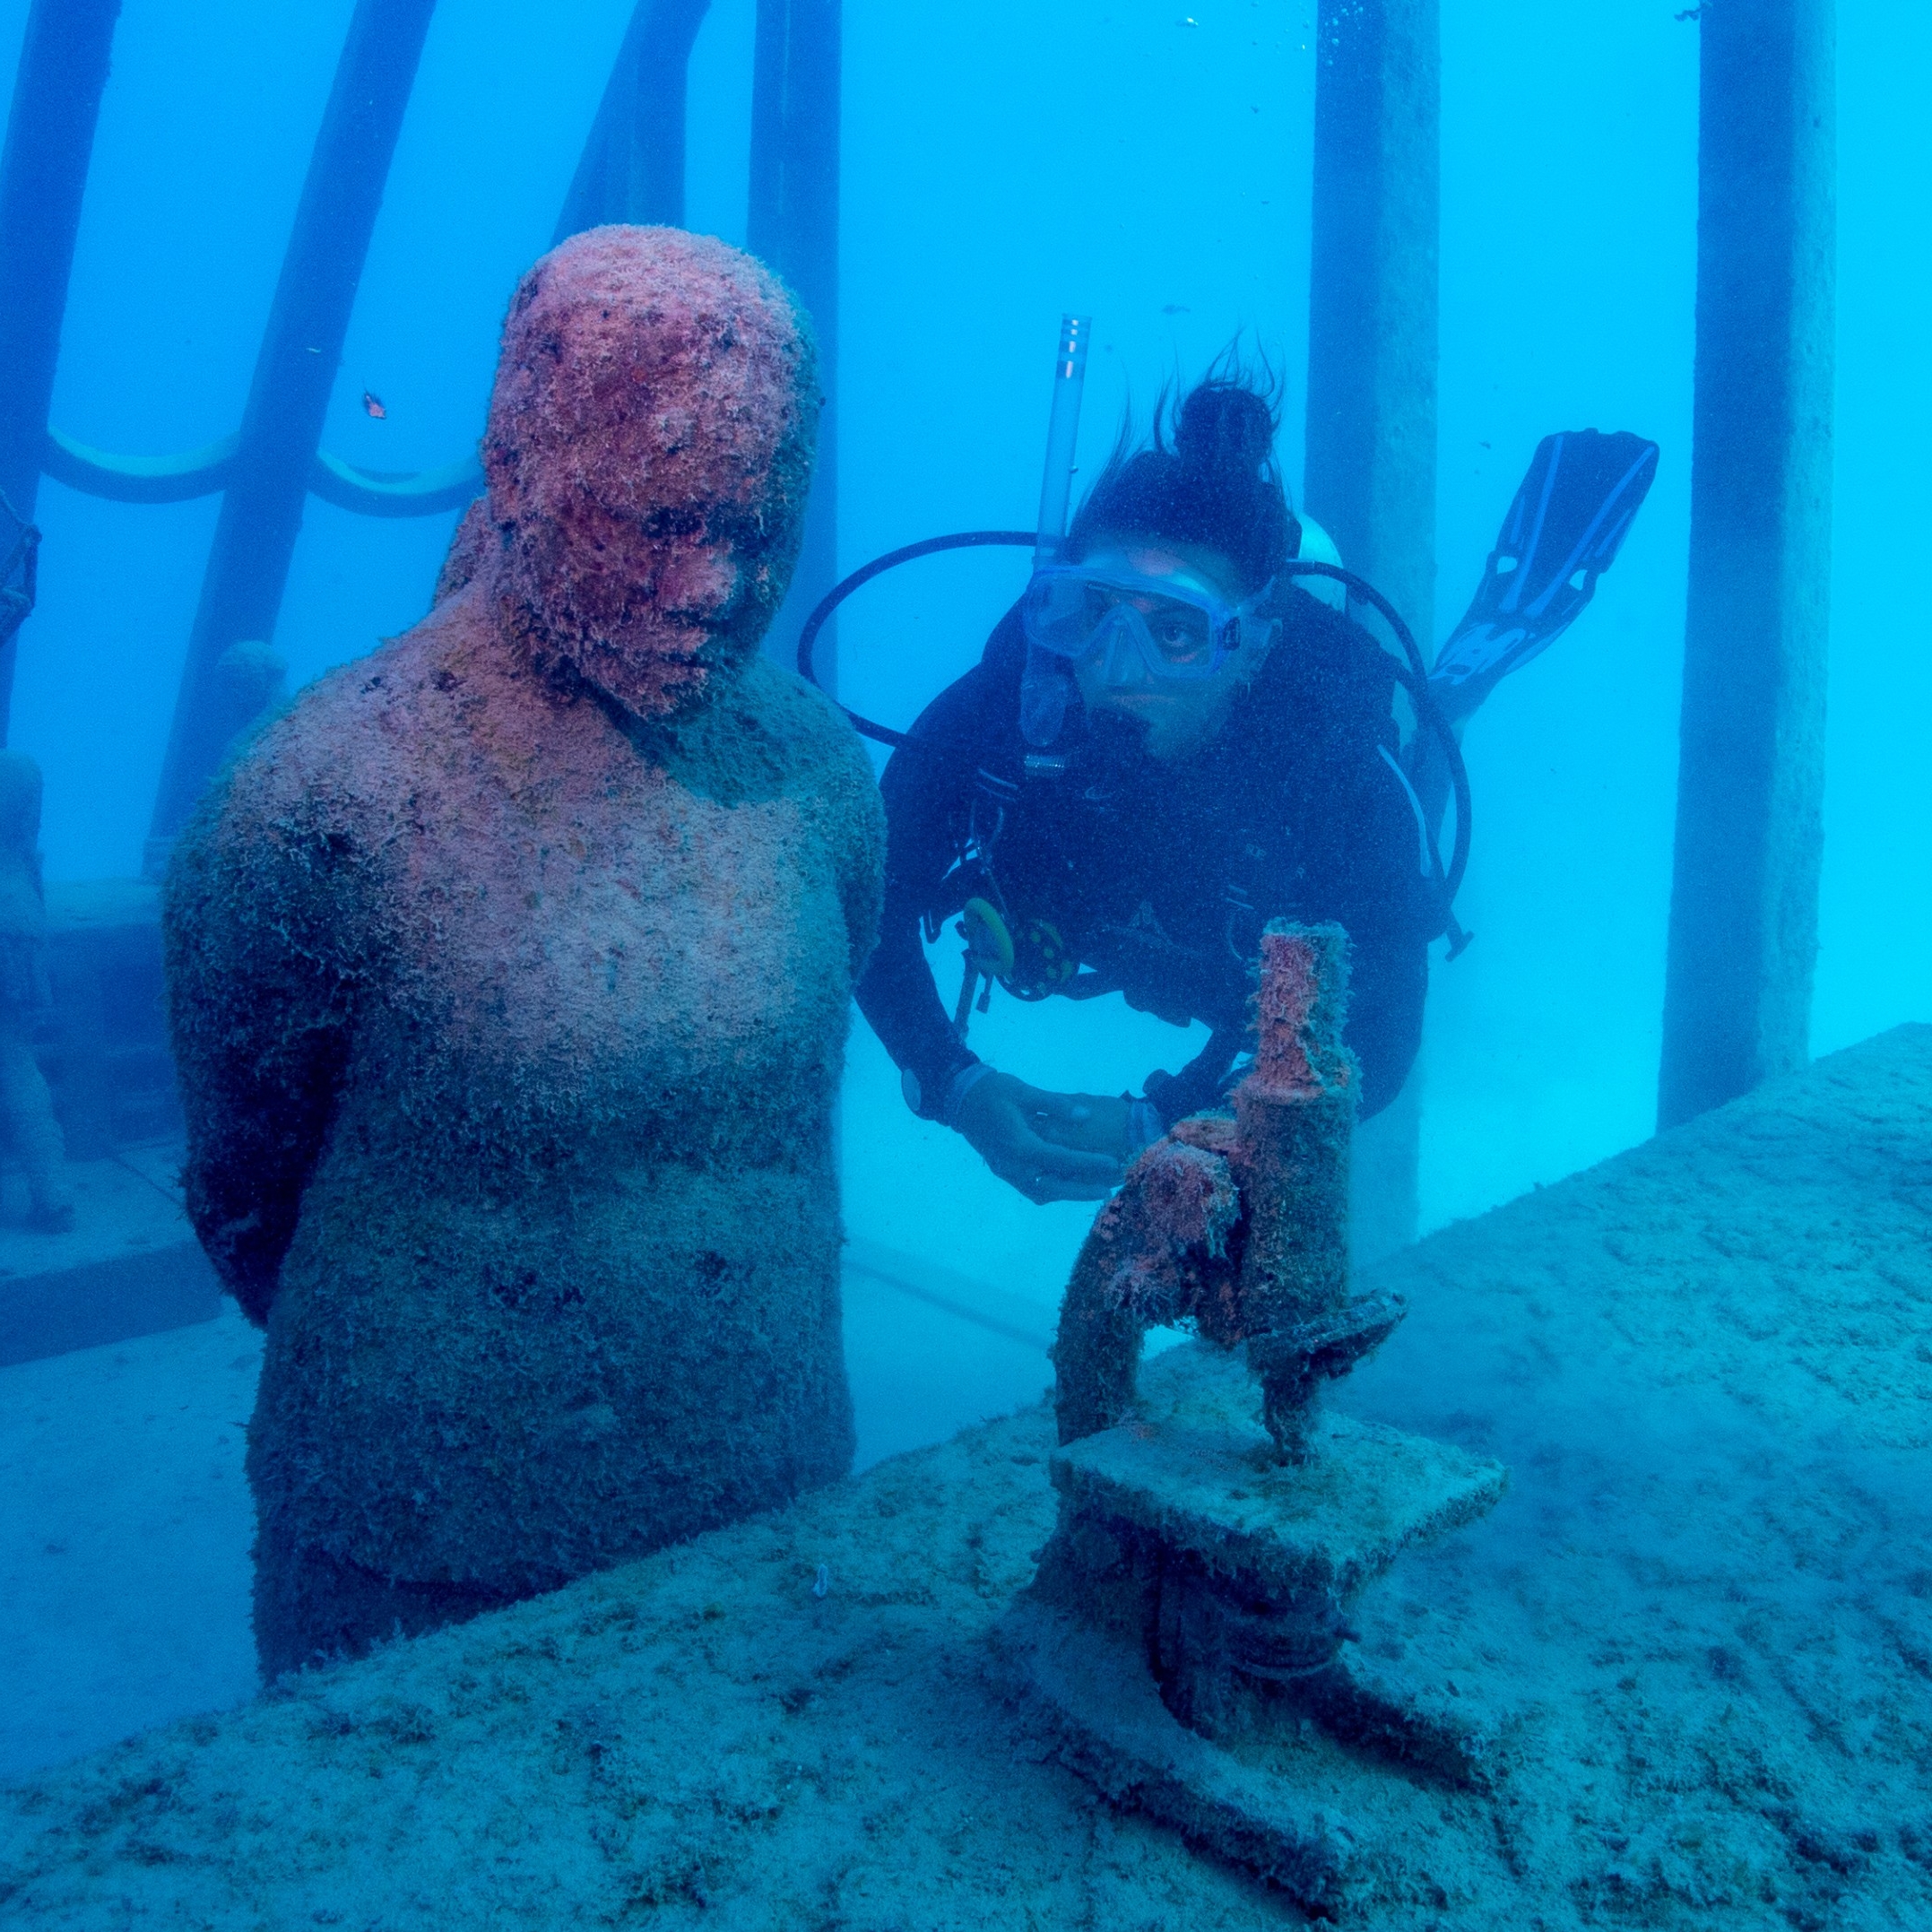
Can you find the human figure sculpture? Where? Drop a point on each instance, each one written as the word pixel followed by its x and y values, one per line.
pixel 510 972
pixel 26 1106
pixel 254 678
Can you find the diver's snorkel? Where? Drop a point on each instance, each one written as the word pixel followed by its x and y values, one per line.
pixel 1056 493
pixel 1045 685
pixel 1062 433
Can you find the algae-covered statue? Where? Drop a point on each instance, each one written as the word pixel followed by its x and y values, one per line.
pixel 509 974
pixel 26 1106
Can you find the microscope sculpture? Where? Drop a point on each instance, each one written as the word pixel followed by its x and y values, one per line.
pixel 1186 1626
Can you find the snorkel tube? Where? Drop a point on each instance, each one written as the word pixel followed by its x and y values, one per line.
pixel 1056 494
pixel 1063 434
pixel 1046 684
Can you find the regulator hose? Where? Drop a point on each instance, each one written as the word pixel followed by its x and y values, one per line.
pixel 961 540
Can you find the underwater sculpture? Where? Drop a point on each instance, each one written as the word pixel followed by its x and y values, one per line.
pixel 26 1106
pixel 1276 1173
pixel 508 977
pixel 253 680
pixel 1187 1621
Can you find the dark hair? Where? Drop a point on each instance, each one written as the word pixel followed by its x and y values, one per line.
pixel 1208 476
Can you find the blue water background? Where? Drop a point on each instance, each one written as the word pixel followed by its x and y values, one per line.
pixel 1004 162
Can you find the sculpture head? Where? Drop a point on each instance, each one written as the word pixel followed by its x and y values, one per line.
pixel 648 452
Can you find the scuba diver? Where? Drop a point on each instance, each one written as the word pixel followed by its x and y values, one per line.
pixel 1169 741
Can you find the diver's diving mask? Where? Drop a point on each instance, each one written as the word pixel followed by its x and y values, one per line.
pixel 1168 627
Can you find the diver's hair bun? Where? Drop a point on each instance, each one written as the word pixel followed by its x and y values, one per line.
pixel 1208 477
pixel 1226 428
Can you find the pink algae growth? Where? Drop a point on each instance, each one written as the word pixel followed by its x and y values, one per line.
pixel 648 455
pixel 1180 1206
pixel 1298 1010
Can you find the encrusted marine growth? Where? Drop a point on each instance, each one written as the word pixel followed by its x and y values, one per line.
pixel 510 972
pixel 1240 1226
pixel 1186 1626
pixel 648 462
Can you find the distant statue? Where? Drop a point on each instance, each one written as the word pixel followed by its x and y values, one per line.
pixel 253 680
pixel 26 1106
pixel 510 972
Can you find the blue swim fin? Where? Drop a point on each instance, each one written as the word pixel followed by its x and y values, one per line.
pixel 1561 534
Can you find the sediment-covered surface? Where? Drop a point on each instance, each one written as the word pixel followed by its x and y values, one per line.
pixel 1699 1629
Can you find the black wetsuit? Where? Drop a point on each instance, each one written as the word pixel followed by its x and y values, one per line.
pixel 1157 878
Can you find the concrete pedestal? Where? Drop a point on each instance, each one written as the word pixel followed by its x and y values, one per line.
pixel 1186 1632
pixel 103 1044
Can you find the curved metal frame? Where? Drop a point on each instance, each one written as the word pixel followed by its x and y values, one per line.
pixel 58 86
pixel 206 473
pixel 296 368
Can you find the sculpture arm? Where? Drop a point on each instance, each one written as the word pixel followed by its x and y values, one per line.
pixel 862 862
pixel 261 1002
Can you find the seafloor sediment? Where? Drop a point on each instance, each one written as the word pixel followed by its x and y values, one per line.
pixel 1697 1632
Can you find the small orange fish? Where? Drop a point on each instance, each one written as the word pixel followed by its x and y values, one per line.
pixel 372 406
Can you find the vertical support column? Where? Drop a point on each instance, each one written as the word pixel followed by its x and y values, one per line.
pixel 632 168
pixel 793 226
pixel 1744 899
pixel 294 374
pixel 43 175
pixel 1371 323
pixel 1372 376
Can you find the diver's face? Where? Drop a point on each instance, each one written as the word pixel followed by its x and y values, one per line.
pixel 1175 716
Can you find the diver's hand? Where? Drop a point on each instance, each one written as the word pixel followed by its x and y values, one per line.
pixel 1051 1147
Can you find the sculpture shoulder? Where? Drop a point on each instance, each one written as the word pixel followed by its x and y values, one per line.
pixel 353 744
pixel 291 831
pixel 799 713
pixel 772 731
pixel 825 765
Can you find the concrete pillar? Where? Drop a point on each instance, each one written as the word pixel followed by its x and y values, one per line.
pixel 632 167
pixel 1371 374
pixel 295 371
pixel 792 226
pixel 43 174
pixel 1743 903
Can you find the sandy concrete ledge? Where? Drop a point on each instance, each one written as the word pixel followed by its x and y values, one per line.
pixel 1697 1628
